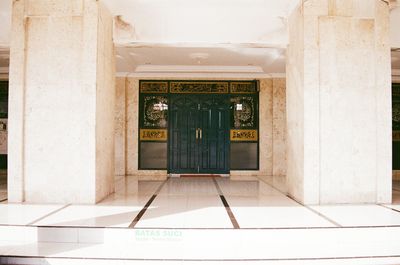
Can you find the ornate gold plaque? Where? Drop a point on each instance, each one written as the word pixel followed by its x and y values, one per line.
pixel 244 135
pixel 243 87
pixel 396 136
pixel 153 135
pixel 154 87
pixel 200 87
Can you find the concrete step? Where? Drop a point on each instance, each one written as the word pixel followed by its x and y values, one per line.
pixel 65 261
pixel 76 245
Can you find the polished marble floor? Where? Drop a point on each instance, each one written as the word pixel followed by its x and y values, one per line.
pixel 200 220
pixel 201 202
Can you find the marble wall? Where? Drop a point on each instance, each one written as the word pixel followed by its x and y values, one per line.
pixel 61 94
pixel 272 130
pixel 105 103
pixel 339 102
pixel 279 127
pixel 120 126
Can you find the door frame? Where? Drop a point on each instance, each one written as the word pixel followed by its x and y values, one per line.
pixel 152 132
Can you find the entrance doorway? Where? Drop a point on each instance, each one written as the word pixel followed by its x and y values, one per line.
pixel 191 127
pixel 199 134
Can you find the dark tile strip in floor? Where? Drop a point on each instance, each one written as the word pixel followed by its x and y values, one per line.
pixel 226 205
pixel 305 206
pixel 316 212
pixel 146 206
pixel 47 215
pixel 387 207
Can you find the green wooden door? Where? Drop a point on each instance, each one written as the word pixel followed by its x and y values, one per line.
pixel 198 134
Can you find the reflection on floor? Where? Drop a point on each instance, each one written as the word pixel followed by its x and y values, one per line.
pixel 3 185
pixel 396 192
pixel 199 203
pixel 229 220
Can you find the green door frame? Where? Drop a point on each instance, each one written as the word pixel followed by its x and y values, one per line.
pixel 199 134
pixel 155 110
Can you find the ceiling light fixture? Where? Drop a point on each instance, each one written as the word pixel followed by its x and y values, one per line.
pixel 199 56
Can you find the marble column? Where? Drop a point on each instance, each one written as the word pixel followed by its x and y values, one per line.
pixel 61 114
pixel 339 102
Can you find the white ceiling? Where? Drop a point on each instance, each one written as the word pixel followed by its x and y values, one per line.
pixel 189 36
pixel 158 37
pixel 229 58
pixel 205 21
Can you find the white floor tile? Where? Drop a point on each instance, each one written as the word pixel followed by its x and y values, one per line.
pixel 227 244
pixel 189 186
pixel 360 215
pixel 117 199
pixel 183 211
pixel 96 216
pixel 55 261
pixel 23 214
pixel 195 203
pixel 245 188
pixel 393 206
pixel 148 187
pixel 131 192
pixel 273 212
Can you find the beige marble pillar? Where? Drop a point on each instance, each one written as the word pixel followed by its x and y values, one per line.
pixel 339 102
pixel 61 116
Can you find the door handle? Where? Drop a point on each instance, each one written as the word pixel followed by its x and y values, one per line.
pixel 197 133
pixel 201 132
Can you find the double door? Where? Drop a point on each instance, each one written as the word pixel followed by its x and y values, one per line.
pixel 198 134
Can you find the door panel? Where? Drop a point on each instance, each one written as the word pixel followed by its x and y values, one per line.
pixel 199 130
pixel 182 128
pixel 215 129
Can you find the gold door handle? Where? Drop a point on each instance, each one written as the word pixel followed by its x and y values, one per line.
pixel 197 133
pixel 201 132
